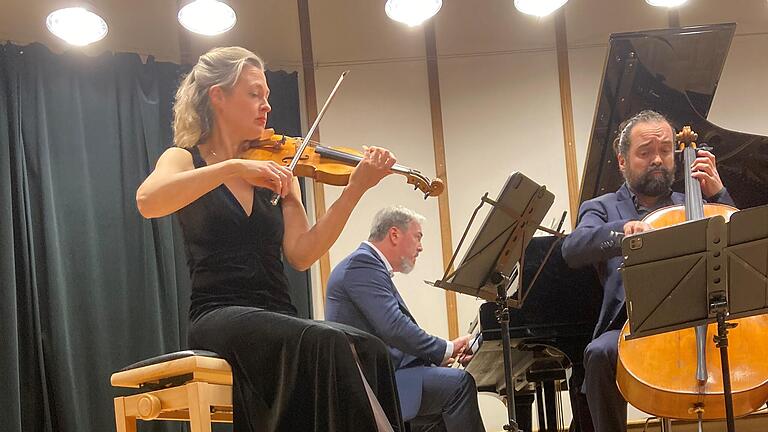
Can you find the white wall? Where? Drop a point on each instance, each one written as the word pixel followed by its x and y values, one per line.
pixel 499 85
pixel 501 108
pixel 383 102
pixel 145 28
pixel 149 27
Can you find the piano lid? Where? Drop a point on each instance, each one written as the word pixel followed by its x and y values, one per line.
pixel 675 72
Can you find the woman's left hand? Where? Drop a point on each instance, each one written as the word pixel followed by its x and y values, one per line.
pixel 376 165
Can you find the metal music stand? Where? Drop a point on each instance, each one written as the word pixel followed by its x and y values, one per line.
pixel 726 261
pixel 490 265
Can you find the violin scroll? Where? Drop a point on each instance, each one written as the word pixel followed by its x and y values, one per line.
pixel 430 188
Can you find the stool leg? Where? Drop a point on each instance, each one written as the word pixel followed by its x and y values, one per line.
pixel 199 407
pixel 124 424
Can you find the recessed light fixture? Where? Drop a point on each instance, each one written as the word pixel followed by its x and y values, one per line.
pixel 666 3
pixel 207 17
pixel 412 12
pixel 76 25
pixel 539 8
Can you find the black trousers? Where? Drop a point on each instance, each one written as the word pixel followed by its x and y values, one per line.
pixel 293 374
pixel 606 404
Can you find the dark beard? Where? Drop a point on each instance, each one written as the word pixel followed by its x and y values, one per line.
pixel 651 185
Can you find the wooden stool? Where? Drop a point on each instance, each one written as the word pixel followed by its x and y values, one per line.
pixel 193 386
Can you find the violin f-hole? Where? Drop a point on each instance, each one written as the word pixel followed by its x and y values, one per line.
pixel 288 159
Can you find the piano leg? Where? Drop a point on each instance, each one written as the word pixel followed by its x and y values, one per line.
pixel 550 405
pixel 524 410
pixel 540 407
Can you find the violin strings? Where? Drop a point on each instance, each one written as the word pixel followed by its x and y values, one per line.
pixel 396 167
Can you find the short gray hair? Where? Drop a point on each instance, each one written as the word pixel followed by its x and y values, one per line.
pixel 622 142
pixel 395 216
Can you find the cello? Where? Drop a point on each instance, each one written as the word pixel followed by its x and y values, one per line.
pixel 678 374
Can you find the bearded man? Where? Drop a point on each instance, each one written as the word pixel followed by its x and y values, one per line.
pixel 645 151
pixel 361 294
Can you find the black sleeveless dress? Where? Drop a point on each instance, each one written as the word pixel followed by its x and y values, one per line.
pixel 289 373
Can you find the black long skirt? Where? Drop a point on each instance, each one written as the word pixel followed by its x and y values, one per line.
pixel 293 374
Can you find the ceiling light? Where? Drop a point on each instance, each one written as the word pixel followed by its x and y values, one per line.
pixel 207 17
pixel 412 12
pixel 666 3
pixel 539 8
pixel 76 25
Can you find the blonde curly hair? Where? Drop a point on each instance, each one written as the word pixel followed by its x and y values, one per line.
pixel 192 114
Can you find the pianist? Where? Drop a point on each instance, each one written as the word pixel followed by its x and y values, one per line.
pixel 361 294
pixel 645 154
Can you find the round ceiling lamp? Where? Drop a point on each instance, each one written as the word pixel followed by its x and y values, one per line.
pixel 539 8
pixel 76 25
pixel 666 3
pixel 412 12
pixel 207 17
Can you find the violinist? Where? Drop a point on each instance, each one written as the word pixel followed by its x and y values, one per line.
pixel 288 373
pixel 645 151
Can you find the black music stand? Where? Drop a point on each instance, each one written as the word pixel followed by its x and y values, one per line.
pixel 728 260
pixel 490 266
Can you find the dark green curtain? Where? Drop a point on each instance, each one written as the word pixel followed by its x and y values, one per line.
pixel 88 285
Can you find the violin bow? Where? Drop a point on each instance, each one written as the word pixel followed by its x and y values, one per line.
pixel 305 141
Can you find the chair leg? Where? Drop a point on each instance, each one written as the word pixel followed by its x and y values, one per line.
pixel 199 407
pixel 124 424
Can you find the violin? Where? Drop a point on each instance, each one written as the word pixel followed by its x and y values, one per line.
pixel 678 374
pixel 328 165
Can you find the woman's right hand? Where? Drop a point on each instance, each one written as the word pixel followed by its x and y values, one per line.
pixel 267 174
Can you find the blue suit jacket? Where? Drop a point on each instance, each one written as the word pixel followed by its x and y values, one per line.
pixel 592 243
pixel 361 293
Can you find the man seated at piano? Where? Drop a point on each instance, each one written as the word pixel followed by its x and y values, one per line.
pixel 361 294
pixel 645 150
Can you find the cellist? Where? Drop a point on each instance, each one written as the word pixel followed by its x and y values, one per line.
pixel 645 152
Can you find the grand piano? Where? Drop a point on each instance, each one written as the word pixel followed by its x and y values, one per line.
pixel 672 71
